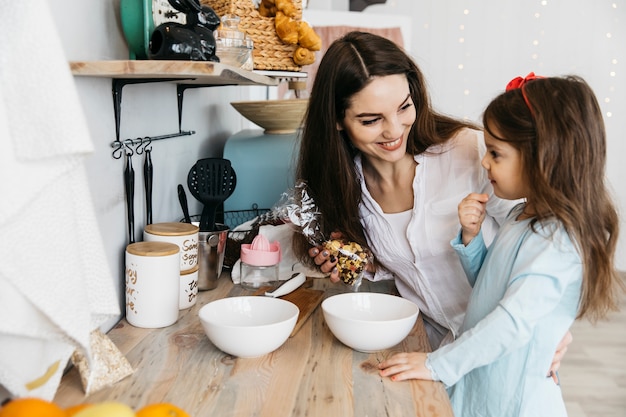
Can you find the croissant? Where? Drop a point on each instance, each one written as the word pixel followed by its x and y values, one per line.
pixel 307 38
pixel 267 8
pixel 303 56
pixel 286 28
pixel 287 7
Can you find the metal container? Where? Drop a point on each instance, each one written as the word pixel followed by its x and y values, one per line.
pixel 211 249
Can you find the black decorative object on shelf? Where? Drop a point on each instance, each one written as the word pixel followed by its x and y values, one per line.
pixel 192 40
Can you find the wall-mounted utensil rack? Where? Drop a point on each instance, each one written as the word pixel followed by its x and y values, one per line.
pixel 186 74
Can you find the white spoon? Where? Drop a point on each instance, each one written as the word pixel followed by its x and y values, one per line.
pixel 290 285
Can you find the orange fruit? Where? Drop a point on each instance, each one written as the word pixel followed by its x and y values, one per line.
pixel 71 411
pixel 106 409
pixel 161 410
pixel 31 407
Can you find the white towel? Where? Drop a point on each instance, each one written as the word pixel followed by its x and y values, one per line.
pixel 55 283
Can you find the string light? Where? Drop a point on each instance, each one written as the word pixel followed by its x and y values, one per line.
pixel 541 16
pixel 461 66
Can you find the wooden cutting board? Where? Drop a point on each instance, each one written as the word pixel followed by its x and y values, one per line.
pixel 306 299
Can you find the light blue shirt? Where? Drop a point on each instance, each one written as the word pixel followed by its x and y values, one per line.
pixel 525 296
pixel 432 276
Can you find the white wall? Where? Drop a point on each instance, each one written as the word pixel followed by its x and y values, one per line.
pixel 469 50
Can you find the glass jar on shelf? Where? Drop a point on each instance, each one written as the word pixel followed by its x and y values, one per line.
pixel 233 46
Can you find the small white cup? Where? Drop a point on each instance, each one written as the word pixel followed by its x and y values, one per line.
pixel 184 235
pixel 152 284
pixel 188 288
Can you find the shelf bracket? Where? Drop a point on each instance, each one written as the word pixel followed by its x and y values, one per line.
pixel 120 147
pixel 180 93
pixel 117 87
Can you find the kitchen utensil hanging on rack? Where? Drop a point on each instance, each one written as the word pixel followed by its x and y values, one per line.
pixel 148 172
pixel 182 198
pixel 211 181
pixel 129 187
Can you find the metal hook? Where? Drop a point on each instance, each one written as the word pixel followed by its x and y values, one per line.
pixel 139 148
pixel 117 152
pixel 128 144
pixel 147 140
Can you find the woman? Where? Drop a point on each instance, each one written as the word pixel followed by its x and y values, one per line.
pixel 387 171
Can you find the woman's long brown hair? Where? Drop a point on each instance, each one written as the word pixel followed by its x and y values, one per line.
pixel 561 137
pixel 326 156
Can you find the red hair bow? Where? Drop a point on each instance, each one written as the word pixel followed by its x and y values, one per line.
pixel 518 82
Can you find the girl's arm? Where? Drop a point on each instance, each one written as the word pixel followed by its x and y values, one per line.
pixel 472 211
pixel 471 256
pixel 469 244
pixel 538 286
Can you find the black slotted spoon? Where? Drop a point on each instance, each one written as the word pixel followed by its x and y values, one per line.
pixel 211 181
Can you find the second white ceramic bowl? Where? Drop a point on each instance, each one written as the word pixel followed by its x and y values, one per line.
pixel 369 322
pixel 248 326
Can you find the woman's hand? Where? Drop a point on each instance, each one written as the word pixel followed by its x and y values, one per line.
pixel 326 261
pixel 561 349
pixel 472 211
pixel 402 366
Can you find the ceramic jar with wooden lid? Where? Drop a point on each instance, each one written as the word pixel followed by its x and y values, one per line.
pixel 152 284
pixel 185 235
pixel 188 288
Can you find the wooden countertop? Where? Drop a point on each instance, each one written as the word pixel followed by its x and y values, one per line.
pixel 312 374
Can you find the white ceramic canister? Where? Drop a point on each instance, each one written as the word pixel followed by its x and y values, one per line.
pixel 152 284
pixel 188 288
pixel 185 235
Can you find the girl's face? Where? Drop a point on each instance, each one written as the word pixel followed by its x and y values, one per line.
pixel 503 163
pixel 380 117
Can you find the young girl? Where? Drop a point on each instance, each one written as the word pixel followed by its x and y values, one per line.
pixel 550 263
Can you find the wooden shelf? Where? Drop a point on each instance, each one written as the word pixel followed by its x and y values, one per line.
pixel 187 72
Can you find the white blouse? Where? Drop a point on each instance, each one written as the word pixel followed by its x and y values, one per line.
pixel 432 276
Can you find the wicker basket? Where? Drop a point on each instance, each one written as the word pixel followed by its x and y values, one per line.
pixel 269 53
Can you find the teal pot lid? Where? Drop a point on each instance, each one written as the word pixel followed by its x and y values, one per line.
pixel 137 25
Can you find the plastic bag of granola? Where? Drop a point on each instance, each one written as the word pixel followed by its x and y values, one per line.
pixel 298 208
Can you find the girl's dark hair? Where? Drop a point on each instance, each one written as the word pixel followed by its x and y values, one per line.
pixel 561 138
pixel 326 156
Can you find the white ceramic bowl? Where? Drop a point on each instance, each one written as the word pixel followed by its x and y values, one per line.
pixel 369 322
pixel 249 326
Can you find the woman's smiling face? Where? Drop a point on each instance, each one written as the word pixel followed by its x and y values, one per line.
pixel 380 117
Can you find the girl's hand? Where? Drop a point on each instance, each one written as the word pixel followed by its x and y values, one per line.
pixel 472 211
pixel 402 366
